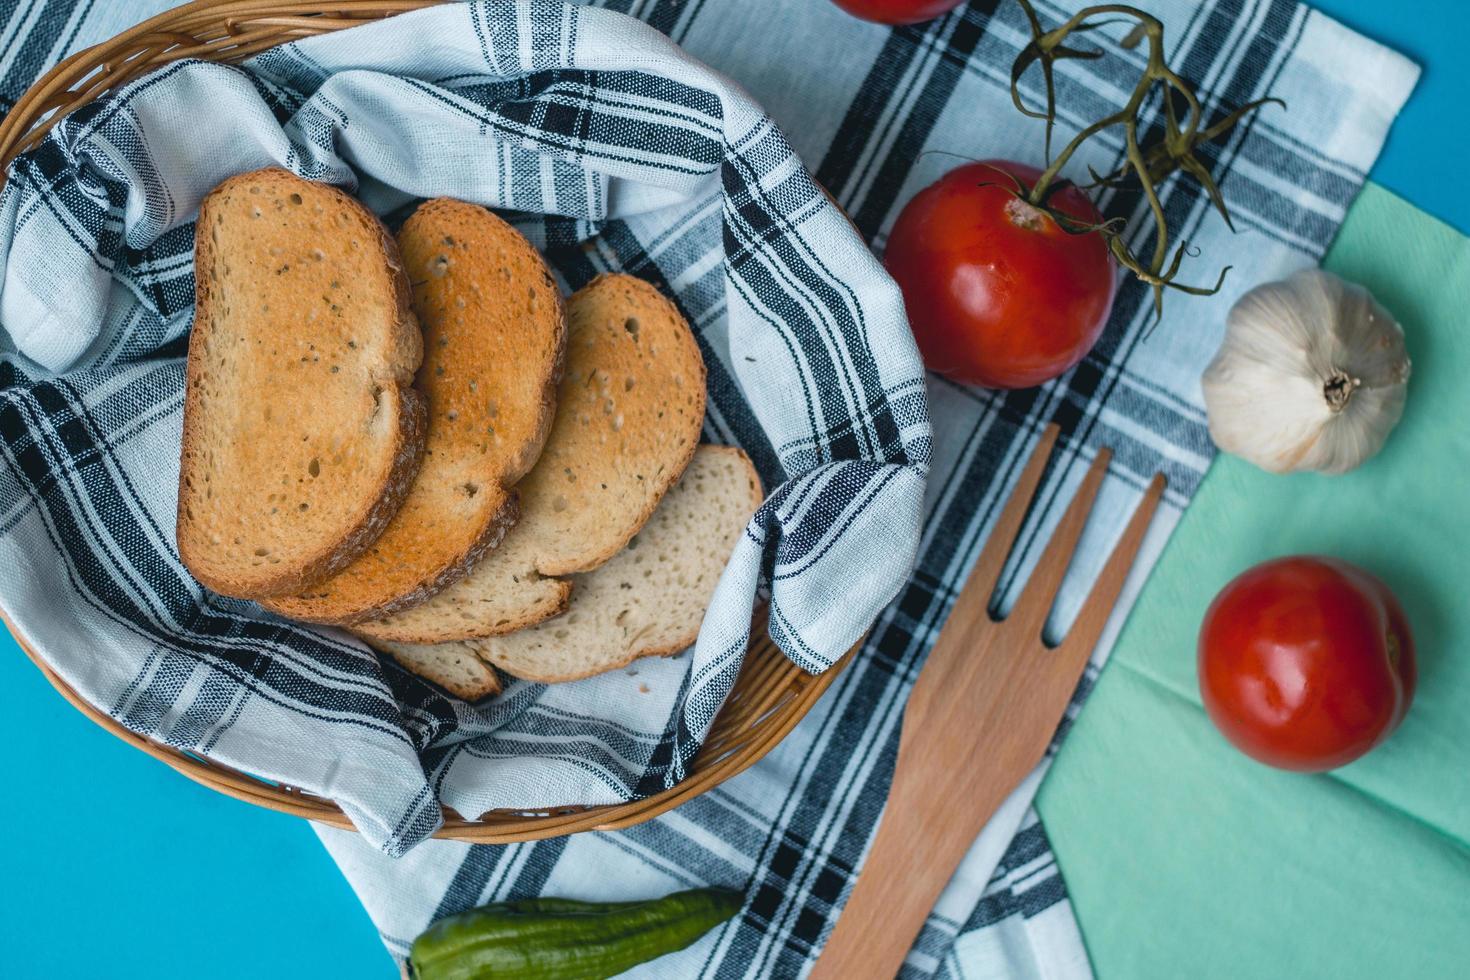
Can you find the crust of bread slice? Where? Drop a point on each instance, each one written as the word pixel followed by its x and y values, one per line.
pixel 628 418
pixel 481 604
pixel 650 599
pixel 302 432
pixel 494 340
pixel 459 672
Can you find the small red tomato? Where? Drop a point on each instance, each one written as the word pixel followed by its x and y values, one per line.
pixel 898 11
pixel 1306 663
pixel 998 294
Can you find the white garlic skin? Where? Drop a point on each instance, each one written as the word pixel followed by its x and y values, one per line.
pixel 1311 375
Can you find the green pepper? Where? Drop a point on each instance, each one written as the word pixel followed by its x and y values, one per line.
pixel 563 939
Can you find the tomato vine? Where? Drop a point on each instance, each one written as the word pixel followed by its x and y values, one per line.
pixel 1145 166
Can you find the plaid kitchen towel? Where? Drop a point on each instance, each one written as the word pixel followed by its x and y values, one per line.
pixel 861 105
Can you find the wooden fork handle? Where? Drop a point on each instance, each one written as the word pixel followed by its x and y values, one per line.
pixel 912 859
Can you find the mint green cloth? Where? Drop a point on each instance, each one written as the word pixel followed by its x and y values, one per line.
pixel 1185 858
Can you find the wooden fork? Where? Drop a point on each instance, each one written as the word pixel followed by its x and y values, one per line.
pixel 983 710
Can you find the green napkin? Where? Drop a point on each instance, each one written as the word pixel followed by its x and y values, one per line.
pixel 1183 857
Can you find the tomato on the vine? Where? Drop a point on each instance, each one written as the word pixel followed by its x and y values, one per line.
pixel 898 11
pixel 1008 273
pixel 1306 663
pixel 998 292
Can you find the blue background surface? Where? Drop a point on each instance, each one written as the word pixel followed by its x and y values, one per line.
pixel 105 848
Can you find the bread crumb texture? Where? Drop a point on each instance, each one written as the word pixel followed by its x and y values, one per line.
pixel 650 598
pixel 301 432
pixel 628 416
pixel 494 337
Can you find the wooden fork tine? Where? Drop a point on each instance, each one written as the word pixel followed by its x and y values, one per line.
pixel 1040 592
pixel 986 572
pixel 1088 627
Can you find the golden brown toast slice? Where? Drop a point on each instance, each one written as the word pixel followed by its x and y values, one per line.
pixel 647 601
pixel 494 339
pixel 629 412
pixel 301 431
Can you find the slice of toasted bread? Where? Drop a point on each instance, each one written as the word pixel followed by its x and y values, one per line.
pixel 301 431
pixel 628 420
pixel 504 592
pixel 494 338
pixel 647 601
pixel 459 672
pixel 628 417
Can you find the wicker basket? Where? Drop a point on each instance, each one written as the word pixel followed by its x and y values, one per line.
pixel 771 694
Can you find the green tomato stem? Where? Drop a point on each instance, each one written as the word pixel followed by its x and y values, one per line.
pixel 1148 165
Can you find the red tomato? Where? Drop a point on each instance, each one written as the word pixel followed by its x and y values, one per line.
pixel 1306 663
pixel 898 11
pixel 998 294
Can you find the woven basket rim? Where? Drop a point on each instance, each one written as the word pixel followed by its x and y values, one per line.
pixel 501 827
pixel 771 694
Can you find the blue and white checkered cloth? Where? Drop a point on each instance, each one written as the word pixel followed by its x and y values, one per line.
pixel 615 149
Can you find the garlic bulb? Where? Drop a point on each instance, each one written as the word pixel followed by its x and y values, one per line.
pixel 1311 376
